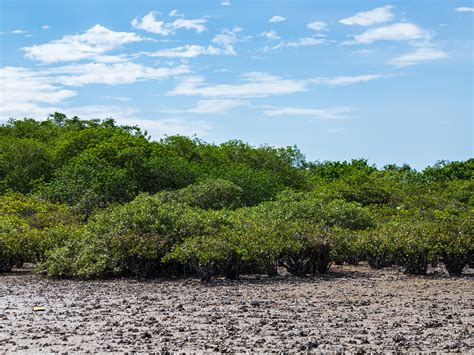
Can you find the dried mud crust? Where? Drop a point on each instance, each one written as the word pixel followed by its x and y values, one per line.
pixel 350 309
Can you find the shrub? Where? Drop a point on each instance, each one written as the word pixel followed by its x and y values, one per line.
pixel 348 215
pixel 211 194
pixel 347 246
pixel 308 250
pixel 29 228
pixel 414 245
pixel 23 162
pixel 207 255
pixel 378 247
pixel 257 185
pixel 128 239
pixel 367 189
pixel 456 241
pixel 61 260
pixel 11 245
pixel 263 243
pixel 316 209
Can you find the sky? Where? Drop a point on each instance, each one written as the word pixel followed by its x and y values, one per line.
pixel 391 82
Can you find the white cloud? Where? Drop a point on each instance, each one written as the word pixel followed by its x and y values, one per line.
pixel 94 42
pixel 196 24
pixel 211 106
pixel 225 3
pixel 324 114
pixel 227 38
pixel 175 13
pixel 396 32
pixel 118 98
pixel 111 74
pixel 464 9
pixel 256 85
pixel 29 93
pixel 224 42
pixel 317 25
pixel 19 32
pixel 302 42
pixel 157 128
pixel 45 27
pixel 216 106
pixel 307 41
pixel 24 92
pixel 347 80
pixel 121 58
pixel 417 56
pixel 270 34
pixel 120 113
pixel 368 18
pixel 151 24
pixel 187 51
pixel 169 127
pixel 277 18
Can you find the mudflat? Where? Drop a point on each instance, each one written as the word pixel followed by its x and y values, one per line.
pixel 349 309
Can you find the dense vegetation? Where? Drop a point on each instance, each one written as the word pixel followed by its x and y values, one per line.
pixel 92 199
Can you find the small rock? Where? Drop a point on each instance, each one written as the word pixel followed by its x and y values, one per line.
pixel 398 338
pixel 432 323
pixel 310 345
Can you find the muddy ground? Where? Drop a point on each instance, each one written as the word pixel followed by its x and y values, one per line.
pixel 351 309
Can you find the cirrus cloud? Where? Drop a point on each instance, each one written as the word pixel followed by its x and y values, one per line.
pixel 317 25
pixel 324 113
pixel 347 80
pixel 187 51
pixel 417 56
pixel 402 31
pixel 210 106
pixel 276 19
pixel 464 9
pixel 149 23
pixel 256 85
pixel 302 42
pixel 368 18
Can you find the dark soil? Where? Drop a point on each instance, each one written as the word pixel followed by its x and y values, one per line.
pixel 349 309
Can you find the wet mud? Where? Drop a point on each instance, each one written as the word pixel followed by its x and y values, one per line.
pixel 349 309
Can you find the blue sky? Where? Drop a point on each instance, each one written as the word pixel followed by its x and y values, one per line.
pixel 388 81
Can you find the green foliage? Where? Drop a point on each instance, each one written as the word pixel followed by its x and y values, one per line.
pixel 379 247
pixel 12 244
pixel 348 246
pixel 308 249
pixel 455 237
pixel 445 171
pixel 210 194
pixel 23 161
pixel 130 239
pixel 90 198
pixel 29 227
pixel 206 254
pixel 317 209
pixel 408 242
pixel 332 171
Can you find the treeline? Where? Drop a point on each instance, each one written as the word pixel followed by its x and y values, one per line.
pixel 89 199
